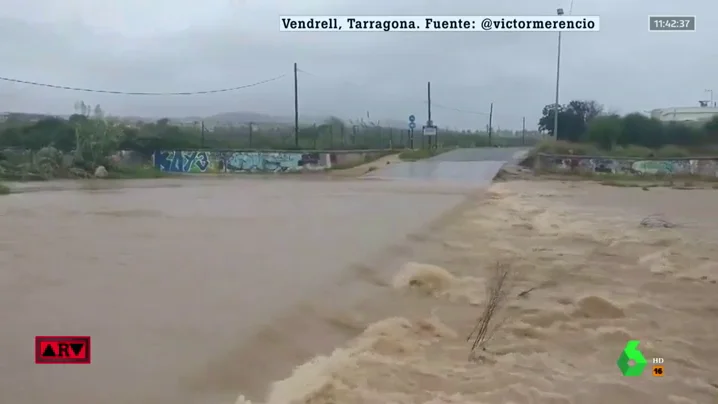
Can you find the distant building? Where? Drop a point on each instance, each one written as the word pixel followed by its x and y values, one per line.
pixel 685 114
pixel 23 117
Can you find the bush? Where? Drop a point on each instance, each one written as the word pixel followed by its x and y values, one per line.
pixel 605 131
pixel 631 151
pixel 633 134
pixel 672 151
pixel 563 147
pixel 4 189
pixel 587 149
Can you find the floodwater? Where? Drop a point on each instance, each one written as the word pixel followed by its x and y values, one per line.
pixel 172 278
pixel 585 275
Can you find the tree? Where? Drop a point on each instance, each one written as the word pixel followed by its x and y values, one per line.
pixel 95 140
pixel 605 131
pixel 46 132
pixel 711 130
pixel 98 113
pixel 573 119
pixel 585 121
pixel 641 130
pixel 82 109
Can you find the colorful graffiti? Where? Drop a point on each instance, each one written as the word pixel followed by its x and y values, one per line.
pixel 267 162
pixel 655 167
pixel 183 161
pixel 687 166
pixel 237 161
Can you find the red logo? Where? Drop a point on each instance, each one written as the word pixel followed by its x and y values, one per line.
pixel 62 350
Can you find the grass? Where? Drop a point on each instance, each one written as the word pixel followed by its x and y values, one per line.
pixel 561 147
pixel 419 154
pixel 126 173
pixel 4 189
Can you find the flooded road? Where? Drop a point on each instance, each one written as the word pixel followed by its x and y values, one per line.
pixel 170 275
pixel 477 166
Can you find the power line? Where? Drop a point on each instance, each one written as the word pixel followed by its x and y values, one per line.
pixel 440 106
pixel 352 84
pixel 142 93
pixel 463 111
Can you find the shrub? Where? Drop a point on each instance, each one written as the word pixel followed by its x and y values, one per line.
pixel 563 147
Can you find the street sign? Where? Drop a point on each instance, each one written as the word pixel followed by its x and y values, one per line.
pixel 429 130
pixel 412 125
pixel 412 118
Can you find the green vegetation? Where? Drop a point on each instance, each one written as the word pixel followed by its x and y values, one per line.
pixel 584 129
pixel 55 148
pixel 34 147
pixel 334 134
pixel 419 154
pixel 4 189
pixel 562 147
pixel 143 172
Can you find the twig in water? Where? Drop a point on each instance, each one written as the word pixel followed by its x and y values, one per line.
pixel 496 292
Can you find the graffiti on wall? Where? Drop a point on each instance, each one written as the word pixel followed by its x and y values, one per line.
pixel 703 167
pixel 236 161
pixel 268 162
pixel 596 164
pixel 183 161
pixel 658 167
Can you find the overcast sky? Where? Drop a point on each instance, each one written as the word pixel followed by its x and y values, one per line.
pixel 183 45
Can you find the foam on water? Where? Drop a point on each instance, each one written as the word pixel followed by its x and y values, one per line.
pixel 585 280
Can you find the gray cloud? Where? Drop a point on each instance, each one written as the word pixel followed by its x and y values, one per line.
pixel 183 45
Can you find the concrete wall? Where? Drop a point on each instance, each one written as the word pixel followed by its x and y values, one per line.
pixel 194 161
pixel 344 158
pixel 701 166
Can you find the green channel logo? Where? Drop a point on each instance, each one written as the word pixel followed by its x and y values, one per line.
pixel 631 353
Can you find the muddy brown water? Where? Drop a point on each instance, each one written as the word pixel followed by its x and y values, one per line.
pixel 169 277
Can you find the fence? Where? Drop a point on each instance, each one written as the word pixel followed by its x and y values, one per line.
pixel 347 138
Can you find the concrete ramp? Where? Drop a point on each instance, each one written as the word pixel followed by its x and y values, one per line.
pixel 474 167
pixel 478 173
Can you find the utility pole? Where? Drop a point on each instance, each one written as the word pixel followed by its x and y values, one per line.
pixel 491 119
pixel 202 132
pixel 296 108
pixel 429 122
pixel 523 131
pixel 558 79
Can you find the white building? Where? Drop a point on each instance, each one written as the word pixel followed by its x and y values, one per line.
pixel 685 114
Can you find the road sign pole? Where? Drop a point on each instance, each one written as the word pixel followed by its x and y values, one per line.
pixel 412 125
